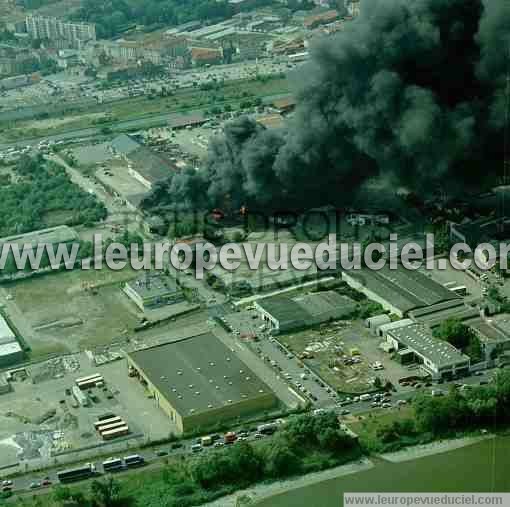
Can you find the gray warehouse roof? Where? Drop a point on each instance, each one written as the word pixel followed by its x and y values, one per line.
pixel 282 308
pixel 125 144
pixel 307 308
pixel 322 303
pixel 150 164
pixel 198 374
pixel 403 288
pixel 434 315
pixel 417 338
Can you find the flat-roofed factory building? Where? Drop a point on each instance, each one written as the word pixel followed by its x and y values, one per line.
pixel 437 357
pixel 11 351
pixel 198 382
pixel 152 290
pixel 284 313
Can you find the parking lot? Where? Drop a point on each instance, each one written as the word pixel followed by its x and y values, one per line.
pixel 68 87
pixel 342 354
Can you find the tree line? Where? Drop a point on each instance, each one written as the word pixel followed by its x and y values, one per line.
pixel 305 443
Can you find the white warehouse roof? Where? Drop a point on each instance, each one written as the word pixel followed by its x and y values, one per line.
pixel 8 349
pixel 6 333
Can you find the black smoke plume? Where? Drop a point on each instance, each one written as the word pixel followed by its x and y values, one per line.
pixel 412 92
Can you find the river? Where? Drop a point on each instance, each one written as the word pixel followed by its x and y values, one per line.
pixel 480 467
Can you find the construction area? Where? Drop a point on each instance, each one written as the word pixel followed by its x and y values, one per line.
pixel 345 355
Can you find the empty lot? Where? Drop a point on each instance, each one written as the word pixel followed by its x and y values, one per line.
pixel 72 310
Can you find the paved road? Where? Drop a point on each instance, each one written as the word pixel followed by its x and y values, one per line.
pixel 155 456
pixel 87 184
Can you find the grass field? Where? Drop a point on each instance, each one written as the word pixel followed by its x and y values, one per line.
pixel 367 425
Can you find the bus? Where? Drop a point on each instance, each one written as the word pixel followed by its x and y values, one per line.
pixel 111 426
pixel 86 379
pixel 105 417
pixel 76 474
pixel 134 460
pixel 117 432
pixel 90 381
pixel 113 465
pixel 106 422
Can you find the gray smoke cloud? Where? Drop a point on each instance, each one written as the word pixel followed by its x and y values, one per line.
pixel 411 92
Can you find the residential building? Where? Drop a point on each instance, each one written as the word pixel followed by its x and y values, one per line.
pixel 53 29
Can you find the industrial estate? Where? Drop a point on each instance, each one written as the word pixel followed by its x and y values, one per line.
pixel 246 122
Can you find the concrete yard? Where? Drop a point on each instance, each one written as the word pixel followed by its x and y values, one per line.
pixel 41 422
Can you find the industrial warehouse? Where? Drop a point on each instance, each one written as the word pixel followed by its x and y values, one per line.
pixel 10 350
pixel 398 290
pixel 198 382
pixel 437 357
pixel 284 313
pixel 152 290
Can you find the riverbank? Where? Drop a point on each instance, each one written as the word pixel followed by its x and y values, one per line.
pixel 436 447
pixel 262 491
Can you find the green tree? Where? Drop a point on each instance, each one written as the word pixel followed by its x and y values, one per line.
pixel 279 460
pixel 455 332
pixel 107 492
pixel 61 494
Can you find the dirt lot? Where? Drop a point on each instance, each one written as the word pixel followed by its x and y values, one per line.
pixel 331 345
pixel 63 314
